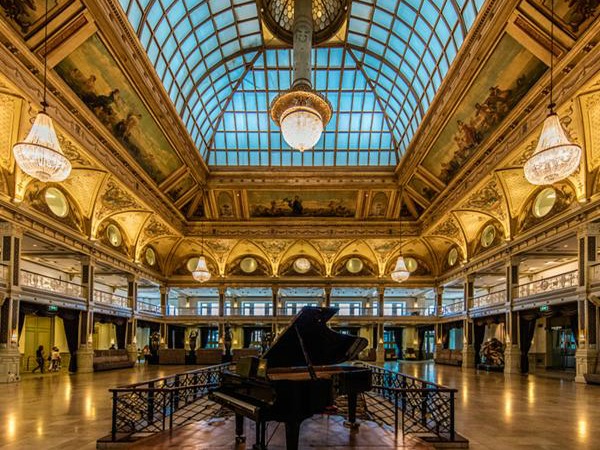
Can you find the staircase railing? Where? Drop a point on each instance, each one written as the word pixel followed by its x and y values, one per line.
pixel 163 403
pixel 412 405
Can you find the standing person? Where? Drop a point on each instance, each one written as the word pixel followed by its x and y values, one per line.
pixel 55 359
pixel 39 357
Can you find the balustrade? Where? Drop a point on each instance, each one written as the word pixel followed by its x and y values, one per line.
pixel 594 273
pixel 109 298
pixel 50 284
pixel 453 308
pixel 3 272
pixel 146 306
pixel 493 298
pixel 557 282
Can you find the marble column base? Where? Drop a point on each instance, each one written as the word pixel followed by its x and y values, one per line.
pixel 585 362
pixel 380 354
pixel 132 352
pixel 10 362
pixel 468 357
pixel 85 360
pixel 512 359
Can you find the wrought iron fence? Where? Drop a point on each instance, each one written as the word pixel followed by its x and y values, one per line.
pixel 164 403
pixel 109 298
pixel 411 405
pixel 453 308
pixel 148 307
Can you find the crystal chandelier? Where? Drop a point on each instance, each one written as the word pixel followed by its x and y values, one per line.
pixel 201 272
pixel 555 157
pixel 301 112
pixel 400 272
pixel 40 155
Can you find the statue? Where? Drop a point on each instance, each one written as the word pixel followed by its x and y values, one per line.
pixel 228 341
pixel 192 340
pixel 266 340
pixel 492 353
pixel 154 343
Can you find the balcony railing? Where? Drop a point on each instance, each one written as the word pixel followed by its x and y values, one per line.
pixel 146 306
pixel 453 308
pixel 493 298
pixel 557 282
pixel 109 298
pixel 50 284
pixel 191 311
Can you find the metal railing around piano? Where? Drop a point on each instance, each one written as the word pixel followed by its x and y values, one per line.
pixel 163 403
pixel 412 405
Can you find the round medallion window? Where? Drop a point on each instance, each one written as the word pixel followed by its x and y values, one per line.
pixel 150 256
pixel 452 256
pixel 354 265
pixel 248 264
pixel 544 202
pixel 57 202
pixel 302 265
pixel 488 236
pixel 192 263
pixel 411 264
pixel 114 235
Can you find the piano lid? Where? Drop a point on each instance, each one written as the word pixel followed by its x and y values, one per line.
pixel 322 345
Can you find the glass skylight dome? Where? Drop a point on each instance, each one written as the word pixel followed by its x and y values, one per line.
pixel 380 80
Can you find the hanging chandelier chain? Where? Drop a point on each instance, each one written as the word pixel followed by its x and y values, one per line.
pixel 44 102
pixel 551 105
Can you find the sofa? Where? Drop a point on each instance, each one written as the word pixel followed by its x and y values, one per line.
pixel 111 359
pixel 448 357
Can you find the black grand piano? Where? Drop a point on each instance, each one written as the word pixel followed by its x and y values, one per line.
pixel 300 375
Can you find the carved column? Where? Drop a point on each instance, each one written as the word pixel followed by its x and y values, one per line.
pixel 512 351
pixel 132 294
pixel 439 300
pixel 9 310
pixel 222 291
pixel 327 296
pixel 275 299
pixel 380 352
pixel 85 353
pixel 164 299
pixel 587 349
pixel 468 352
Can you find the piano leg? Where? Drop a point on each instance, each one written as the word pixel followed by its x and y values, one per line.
pixel 352 401
pixel 239 429
pixel 260 442
pixel 292 435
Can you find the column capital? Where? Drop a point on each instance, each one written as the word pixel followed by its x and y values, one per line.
pixel 513 260
pixel 438 290
pixel 164 290
pixel 132 278
pixel 222 288
pixel 588 229
pixel 88 260
pixel 10 229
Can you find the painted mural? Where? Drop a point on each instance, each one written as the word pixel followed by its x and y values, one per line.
pixel 508 75
pixel 302 204
pixel 95 77
pixel 183 185
pixel 26 14
pixel 575 13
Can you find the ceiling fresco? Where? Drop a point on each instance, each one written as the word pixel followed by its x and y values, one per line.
pixel 337 204
pixel 94 75
pixel 509 73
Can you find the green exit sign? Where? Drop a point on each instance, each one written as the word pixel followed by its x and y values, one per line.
pixel 52 308
pixel 544 308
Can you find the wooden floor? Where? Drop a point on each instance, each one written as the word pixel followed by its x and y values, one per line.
pixel 493 411
pixel 317 432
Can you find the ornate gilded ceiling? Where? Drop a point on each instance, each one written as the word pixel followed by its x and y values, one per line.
pixel 138 161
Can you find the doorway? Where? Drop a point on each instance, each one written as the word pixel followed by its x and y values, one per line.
pixel 563 348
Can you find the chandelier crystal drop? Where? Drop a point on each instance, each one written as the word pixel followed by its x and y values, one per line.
pixel 201 272
pixel 40 155
pixel 555 157
pixel 301 128
pixel 400 272
pixel 301 112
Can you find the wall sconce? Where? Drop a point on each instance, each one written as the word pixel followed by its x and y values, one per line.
pixel 381 340
pixel 235 342
pixel 162 340
pixel 112 342
pixel 90 339
pixel 367 305
pixel 134 340
pixel 14 337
